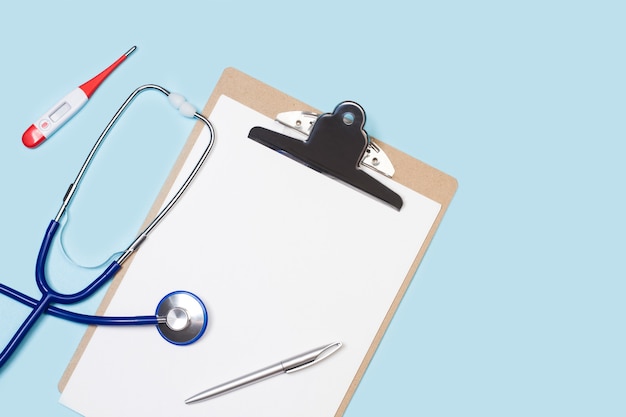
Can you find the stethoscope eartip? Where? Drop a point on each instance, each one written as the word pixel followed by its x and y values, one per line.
pixel 182 318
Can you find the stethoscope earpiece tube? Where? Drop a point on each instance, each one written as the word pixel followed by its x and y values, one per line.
pixel 187 110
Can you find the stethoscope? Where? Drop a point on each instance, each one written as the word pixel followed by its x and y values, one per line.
pixel 181 317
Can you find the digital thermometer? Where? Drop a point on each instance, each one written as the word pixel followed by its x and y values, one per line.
pixel 67 107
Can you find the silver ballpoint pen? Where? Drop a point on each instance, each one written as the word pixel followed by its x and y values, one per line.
pixel 290 365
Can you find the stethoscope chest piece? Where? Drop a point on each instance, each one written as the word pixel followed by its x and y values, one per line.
pixel 182 318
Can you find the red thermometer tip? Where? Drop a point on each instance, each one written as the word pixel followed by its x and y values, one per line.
pixel 92 85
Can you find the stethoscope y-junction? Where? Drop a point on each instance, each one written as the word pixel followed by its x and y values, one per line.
pixel 180 317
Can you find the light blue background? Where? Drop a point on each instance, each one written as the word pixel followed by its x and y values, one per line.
pixel 518 307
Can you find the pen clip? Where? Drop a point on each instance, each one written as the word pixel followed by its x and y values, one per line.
pixel 309 358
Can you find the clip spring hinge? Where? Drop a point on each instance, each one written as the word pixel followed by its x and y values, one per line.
pixel 302 121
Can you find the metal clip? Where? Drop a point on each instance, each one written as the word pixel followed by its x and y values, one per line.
pixel 302 121
pixel 336 145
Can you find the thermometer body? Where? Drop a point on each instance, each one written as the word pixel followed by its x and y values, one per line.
pixel 56 117
pixel 67 107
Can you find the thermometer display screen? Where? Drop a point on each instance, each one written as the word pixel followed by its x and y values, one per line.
pixel 59 112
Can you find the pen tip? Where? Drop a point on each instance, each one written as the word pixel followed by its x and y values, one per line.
pixel 192 400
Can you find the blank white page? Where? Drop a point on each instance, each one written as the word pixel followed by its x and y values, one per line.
pixel 285 259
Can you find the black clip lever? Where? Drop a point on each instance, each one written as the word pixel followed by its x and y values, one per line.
pixel 335 147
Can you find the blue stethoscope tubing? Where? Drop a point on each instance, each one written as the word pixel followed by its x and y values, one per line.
pixel 78 317
pixel 50 296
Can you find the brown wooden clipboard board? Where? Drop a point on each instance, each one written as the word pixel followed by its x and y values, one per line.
pixel 268 101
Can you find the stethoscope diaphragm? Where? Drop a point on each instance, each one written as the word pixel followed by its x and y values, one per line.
pixel 182 318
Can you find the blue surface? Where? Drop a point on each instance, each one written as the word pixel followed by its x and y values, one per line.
pixel 517 308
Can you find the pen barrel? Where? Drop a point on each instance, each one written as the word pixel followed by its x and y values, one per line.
pixel 240 382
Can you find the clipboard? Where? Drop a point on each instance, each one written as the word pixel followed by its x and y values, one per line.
pixel 410 172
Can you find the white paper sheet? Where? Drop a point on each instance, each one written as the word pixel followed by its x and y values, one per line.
pixel 285 259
